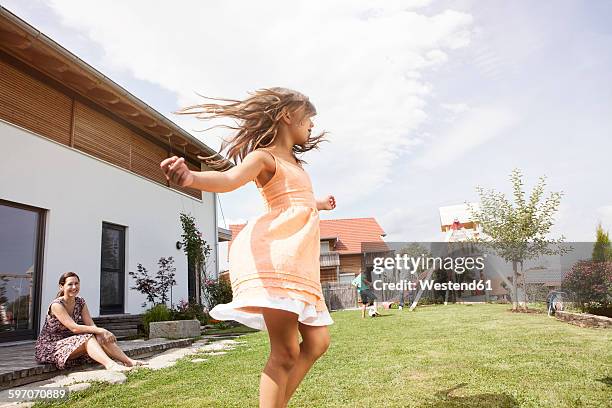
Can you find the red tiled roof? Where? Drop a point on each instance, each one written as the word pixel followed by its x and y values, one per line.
pixel 351 233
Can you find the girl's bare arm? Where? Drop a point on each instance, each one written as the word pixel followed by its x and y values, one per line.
pixel 326 203
pixel 177 171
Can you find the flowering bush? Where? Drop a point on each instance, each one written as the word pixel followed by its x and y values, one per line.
pixel 218 292
pixel 185 310
pixel 590 282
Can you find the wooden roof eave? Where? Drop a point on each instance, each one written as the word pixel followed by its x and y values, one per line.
pixel 21 39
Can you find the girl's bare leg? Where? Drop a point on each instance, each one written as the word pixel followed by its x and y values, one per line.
pixel 315 341
pixel 284 353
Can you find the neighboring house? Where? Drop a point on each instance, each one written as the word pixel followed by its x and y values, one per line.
pixel 342 241
pixel 81 189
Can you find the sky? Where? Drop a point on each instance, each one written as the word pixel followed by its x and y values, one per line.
pixel 423 100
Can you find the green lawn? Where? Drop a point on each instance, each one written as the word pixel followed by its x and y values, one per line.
pixel 436 356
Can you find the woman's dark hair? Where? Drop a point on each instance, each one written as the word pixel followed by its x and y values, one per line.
pixel 62 281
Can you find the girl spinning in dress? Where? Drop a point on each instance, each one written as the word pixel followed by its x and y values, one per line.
pixel 274 261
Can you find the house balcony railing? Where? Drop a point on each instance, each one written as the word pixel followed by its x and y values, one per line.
pixel 329 259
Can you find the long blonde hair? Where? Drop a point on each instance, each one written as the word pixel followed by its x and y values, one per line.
pixel 259 117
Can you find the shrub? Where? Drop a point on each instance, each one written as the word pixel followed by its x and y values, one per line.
pixel 218 292
pixel 590 282
pixel 158 313
pixel 189 311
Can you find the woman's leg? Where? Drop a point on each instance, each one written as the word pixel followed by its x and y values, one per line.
pixel 315 341
pixel 284 353
pixel 114 351
pixel 95 351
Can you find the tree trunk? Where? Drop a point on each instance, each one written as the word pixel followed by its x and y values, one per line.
pixel 524 285
pixel 514 288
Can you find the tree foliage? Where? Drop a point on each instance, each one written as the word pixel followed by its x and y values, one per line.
pixel 517 230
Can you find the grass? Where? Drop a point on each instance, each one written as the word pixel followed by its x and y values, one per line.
pixel 437 356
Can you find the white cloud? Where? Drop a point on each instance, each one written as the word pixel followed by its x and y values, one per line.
pixel 361 63
pixel 605 216
pixel 478 126
pixel 396 220
pixel 405 224
pixel 455 108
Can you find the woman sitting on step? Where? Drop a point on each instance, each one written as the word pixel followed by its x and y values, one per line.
pixel 66 343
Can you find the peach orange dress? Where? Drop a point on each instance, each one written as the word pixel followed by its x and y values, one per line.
pixel 274 259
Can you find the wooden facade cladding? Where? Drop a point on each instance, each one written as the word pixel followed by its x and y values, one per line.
pixel 351 263
pixel 145 159
pixel 328 275
pixel 33 103
pixel 100 136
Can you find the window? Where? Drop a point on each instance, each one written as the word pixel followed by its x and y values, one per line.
pixel 346 277
pixel 21 232
pixel 112 274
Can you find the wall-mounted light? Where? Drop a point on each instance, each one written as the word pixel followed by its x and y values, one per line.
pixel 179 244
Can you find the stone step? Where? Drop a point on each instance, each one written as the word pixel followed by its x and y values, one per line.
pixel 118 319
pixel 18 366
pixel 122 323
pixel 119 326
pixel 119 334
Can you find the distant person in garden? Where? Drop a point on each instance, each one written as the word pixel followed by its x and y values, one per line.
pixel 366 294
pixel 66 343
pixel 274 260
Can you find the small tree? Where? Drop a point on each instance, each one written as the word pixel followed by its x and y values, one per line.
pixel 145 284
pixel 602 250
pixel 517 231
pixel 196 249
pixel 165 278
pixel 155 288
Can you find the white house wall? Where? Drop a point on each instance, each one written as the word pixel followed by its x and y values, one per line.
pixel 80 192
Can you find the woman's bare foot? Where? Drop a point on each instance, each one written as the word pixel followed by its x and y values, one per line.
pixel 114 366
pixel 135 363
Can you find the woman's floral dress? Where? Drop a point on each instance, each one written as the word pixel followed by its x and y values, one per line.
pixel 56 342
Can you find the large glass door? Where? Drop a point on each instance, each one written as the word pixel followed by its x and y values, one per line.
pixel 21 232
pixel 112 275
